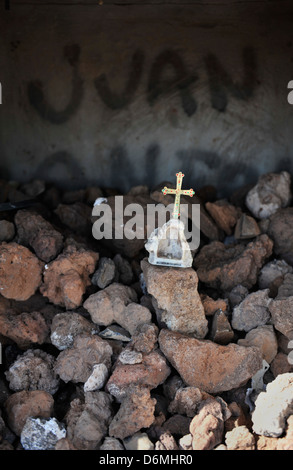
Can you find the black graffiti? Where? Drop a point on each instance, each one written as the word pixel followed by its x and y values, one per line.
pixel 38 100
pixel 221 82
pixel 157 85
pixel 200 167
pixel 183 82
pixel 117 101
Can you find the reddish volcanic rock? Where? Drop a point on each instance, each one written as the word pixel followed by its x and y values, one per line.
pixel 224 267
pixel 67 277
pixel 209 366
pixel 20 271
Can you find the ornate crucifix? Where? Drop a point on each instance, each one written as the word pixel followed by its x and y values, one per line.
pixel 178 192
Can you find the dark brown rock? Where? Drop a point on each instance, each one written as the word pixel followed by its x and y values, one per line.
pixel 36 232
pixel 280 230
pixel 224 214
pixel 25 329
pixel 224 267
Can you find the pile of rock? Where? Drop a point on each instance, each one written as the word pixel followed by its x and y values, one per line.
pixel 102 350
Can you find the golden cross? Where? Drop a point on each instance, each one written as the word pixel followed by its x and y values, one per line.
pixel 178 192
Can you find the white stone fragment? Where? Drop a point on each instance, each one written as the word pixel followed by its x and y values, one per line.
pixel 97 379
pixel 127 356
pixel 271 192
pixel 274 406
pixel 139 441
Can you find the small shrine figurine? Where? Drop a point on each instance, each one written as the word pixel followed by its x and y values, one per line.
pixel 167 245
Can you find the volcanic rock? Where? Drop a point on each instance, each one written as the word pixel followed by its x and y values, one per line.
pixel 105 273
pixel 207 426
pixel 210 367
pixel 37 233
pixel 264 338
pixel 7 231
pixel 224 267
pixel 87 421
pixel 66 326
pixel 20 271
pixel 25 329
pixel 281 307
pixel 277 401
pixel 177 298
pixel 76 216
pixel 41 433
pixel 150 373
pixel 33 370
pixel 136 412
pixel 280 230
pixel 221 331
pixel 271 193
pixel 116 303
pixel 67 277
pixel 76 363
pixel 224 214
pixel 240 438
pixel 21 405
pixel 253 311
pixel 246 227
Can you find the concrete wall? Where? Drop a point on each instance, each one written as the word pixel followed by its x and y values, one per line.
pixel 120 95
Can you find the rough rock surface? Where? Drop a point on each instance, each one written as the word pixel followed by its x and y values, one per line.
pixel 221 331
pixel 273 271
pixel 263 337
pixel 66 326
pixel 224 214
pixel 211 367
pixel 280 230
pixel 37 233
pixel 41 433
pixel 7 231
pixel 116 303
pixel 207 427
pixel 186 401
pixel 277 401
pixel 177 298
pixel 136 412
pixel 88 420
pixel 253 311
pixel 246 228
pixel 150 373
pixel 281 307
pixel 271 192
pixel 240 439
pixel 76 363
pixel 75 216
pixel 105 273
pixel 20 271
pixel 33 370
pixel 224 267
pixel 25 329
pixel 67 277
pixel 21 405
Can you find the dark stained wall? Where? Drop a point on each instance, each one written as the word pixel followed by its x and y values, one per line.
pixel 118 95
